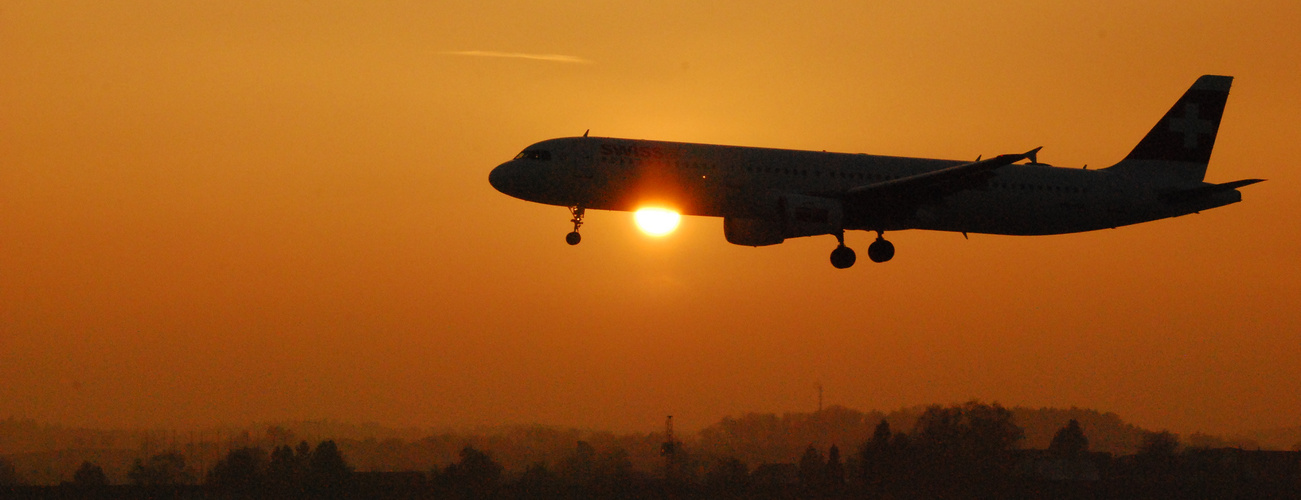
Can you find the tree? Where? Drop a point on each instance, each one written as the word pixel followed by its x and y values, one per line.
pixel 972 429
pixel 1156 456
pixel 964 449
pixel 278 435
pixel 327 471
pixel 578 469
pixel 241 469
pixel 875 458
pixel 477 475
pixel 939 427
pixel 1069 440
pixel 287 470
pixel 89 475
pixel 537 481
pixel 165 469
pixel 614 472
pixel 990 427
pixel 1159 444
pixel 881 435
pixel 813 470
pixel 834 471
pixel 728 476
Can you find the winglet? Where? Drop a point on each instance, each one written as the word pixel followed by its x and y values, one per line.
pixel 1008 159
pixel 1033 154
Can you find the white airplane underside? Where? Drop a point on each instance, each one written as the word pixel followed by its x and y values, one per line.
pixel 766 196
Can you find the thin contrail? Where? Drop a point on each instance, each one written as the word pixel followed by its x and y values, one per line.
pixel 516 55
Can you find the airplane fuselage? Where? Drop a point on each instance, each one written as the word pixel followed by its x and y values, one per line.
pixel 744 182
pixel 766 196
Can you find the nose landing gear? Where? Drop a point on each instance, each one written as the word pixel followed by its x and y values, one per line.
pixel 880 250
pixel 573 237
pixel 842 257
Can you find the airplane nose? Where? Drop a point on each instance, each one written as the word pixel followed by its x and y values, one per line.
pixel 497 178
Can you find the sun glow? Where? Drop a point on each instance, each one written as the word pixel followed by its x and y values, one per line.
pixel 657 221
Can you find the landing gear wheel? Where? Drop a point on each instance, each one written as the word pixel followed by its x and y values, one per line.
pixel 880 250
pixel 573 237
pixel 843 257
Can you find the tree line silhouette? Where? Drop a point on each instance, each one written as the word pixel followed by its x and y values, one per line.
pixel 971 450
pixel 46 454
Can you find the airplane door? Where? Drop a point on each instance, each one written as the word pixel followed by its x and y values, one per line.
pixel 584 163
pixel 582 166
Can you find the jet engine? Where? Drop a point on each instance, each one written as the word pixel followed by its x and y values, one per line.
pixel 794 216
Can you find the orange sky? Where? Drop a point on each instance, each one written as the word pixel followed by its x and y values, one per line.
pixel 222 212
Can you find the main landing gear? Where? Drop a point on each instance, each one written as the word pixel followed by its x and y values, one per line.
pixel 573 237
pixel 879 251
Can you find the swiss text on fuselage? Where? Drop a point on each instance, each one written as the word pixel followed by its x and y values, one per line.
pixel 608 149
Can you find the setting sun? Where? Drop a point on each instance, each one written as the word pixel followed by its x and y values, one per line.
pixel 657 221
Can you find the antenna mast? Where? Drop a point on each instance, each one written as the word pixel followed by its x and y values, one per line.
pixel 669 449
pixel 670 446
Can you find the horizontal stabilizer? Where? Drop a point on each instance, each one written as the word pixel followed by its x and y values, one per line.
pixel 1204 191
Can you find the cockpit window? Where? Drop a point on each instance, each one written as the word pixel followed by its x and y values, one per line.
pixel 534 154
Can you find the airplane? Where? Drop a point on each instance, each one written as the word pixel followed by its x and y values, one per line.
pixel 766 196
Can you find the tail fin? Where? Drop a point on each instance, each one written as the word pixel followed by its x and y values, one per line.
pixel 1178 148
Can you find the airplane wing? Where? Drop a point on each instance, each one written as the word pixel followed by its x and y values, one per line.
pixel 933 186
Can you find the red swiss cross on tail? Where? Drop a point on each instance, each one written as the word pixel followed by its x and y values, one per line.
pixel 1179 146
